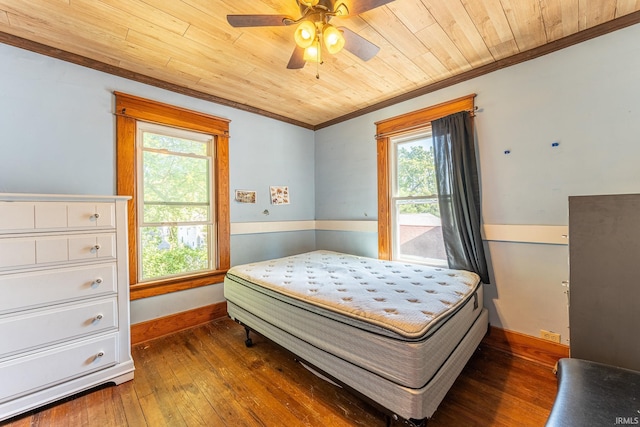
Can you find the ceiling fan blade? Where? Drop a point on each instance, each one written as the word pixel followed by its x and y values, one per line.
pixel 258 20
pixel 358 45
pixel 357 7
pixel 297 59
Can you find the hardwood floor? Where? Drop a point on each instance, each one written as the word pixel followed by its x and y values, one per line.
pixel 206 376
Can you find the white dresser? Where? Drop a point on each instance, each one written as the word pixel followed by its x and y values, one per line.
pixel 64 297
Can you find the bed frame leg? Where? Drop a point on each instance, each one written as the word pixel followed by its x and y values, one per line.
pixel 248 342
pixel 419 423
pixel 411 422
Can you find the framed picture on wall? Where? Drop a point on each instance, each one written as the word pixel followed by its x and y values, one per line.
pixel 279 195
pixel 245 196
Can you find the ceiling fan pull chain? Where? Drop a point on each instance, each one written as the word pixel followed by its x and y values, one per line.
pixel 318 58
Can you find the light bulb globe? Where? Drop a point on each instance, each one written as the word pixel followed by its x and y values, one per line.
pixel 305 34
pixel 333 39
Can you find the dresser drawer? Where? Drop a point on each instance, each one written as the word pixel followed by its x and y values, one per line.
pixel 40 370
pixel 17 252
pixel 19 291
pixel 98 246
pixel 17 216
pixel 29 216
pixel 42 250
pixel 89 215
pixel 38 328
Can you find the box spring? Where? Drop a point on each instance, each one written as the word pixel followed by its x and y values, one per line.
pixel 408 403
pixel 415 361
pixel 350 348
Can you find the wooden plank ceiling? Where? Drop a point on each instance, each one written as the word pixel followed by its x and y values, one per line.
pixel 188 46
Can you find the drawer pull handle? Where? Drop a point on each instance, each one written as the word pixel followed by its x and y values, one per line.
pixel 96 216
pixel 95 249
pixel 99 317
pixel 99 355
pixel 96 283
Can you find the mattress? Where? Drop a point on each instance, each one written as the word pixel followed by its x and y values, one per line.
pixel 364 312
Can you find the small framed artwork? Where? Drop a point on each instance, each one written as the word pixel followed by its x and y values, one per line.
pixel 245 196
pixel 279 195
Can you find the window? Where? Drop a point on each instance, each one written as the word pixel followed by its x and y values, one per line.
pixel 417 229
pixel 175 202
pixel 174 165
pixel 408 212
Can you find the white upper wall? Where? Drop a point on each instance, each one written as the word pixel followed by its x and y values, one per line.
pixel 57 127
pixel 585 97
pixel 58 136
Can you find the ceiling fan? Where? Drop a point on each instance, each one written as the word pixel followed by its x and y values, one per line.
pixel 314 30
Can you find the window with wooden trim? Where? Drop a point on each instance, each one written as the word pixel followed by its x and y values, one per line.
pixel 415 210
pixel 406 211
pixel 174 164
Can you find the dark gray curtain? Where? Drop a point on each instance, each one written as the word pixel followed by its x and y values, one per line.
pixel 459 192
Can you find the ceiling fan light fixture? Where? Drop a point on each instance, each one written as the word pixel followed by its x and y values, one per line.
pixel 341 9
pixel 333 39
pixel 313 53
pixel 305 34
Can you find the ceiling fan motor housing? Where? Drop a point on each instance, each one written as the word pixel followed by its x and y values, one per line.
pixel 322 4
pixel 314 31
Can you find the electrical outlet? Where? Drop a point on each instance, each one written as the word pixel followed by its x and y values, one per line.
pixel 549 336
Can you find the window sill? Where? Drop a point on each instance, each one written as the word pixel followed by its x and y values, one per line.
pixel 161 287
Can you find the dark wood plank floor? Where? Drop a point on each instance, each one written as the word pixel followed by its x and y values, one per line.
pixel 207 377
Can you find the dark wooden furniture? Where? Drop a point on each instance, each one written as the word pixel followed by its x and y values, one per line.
pixel 604 259
pixel 595 394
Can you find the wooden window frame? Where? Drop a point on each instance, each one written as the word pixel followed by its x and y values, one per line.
pixel 129 110
pixel 395 126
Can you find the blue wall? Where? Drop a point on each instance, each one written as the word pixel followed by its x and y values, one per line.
pixel 58 136
pixel 585 97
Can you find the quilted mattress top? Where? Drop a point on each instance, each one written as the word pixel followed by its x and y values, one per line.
pixel 405 298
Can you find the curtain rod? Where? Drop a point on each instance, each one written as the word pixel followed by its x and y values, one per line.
pixel 472 112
